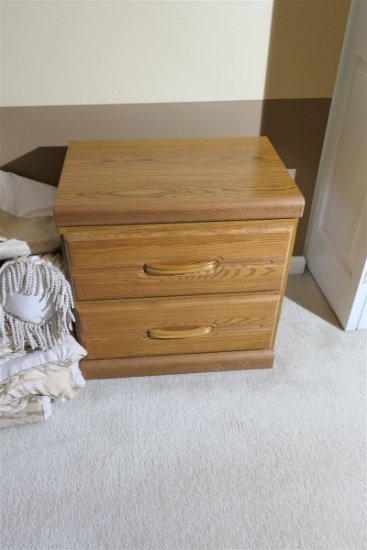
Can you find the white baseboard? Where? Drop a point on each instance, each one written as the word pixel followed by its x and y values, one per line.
pixel 298 264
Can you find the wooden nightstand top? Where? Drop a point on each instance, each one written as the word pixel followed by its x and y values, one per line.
pixel 176 180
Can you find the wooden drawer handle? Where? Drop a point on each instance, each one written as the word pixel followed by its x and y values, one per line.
pixel 164 334
pixel 161 269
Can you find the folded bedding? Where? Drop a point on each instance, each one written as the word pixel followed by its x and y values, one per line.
pixel 54 374
pixel 26 410
pixel 39 357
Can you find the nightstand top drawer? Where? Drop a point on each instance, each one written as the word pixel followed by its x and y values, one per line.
pixel 133 261
pixel 171 181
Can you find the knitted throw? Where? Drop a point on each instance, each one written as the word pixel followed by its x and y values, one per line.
pixel 46 282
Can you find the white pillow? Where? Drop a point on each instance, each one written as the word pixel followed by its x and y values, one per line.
pixel 30 309
pixel 24 197
pixel 27 223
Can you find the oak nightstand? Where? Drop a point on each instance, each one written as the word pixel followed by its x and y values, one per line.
pixel 178 252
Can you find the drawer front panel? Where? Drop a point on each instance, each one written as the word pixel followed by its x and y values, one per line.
pixel 171 326
pixel 180 259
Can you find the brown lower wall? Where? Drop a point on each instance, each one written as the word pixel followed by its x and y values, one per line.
pixel 296 128
pixel 34 139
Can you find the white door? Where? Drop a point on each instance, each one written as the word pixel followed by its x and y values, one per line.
pixel 336 248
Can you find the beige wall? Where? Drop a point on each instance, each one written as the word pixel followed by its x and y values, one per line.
pixel 123 52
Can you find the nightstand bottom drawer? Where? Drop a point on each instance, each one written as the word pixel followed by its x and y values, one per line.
pixel 173 326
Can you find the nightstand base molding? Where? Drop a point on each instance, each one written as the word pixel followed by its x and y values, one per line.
pixel 124 367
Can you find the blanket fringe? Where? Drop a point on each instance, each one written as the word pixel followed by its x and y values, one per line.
pixel 48 282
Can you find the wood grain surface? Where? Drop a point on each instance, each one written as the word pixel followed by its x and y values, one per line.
pixel 120 328
pixel 110 263
pixel 176 364
pixel 171 181
pixel 177 251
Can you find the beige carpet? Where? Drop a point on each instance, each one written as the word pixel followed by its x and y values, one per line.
pixel 272 459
